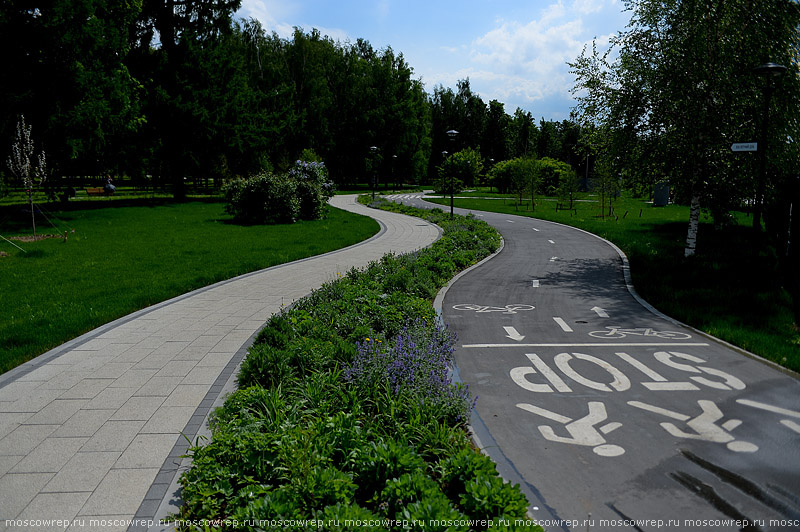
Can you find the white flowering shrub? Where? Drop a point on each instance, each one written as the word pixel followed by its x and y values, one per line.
pixel 268 198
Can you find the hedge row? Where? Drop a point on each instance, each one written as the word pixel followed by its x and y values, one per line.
pixel 346 412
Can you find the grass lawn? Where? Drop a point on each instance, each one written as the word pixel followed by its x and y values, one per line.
pixel 124 256
pixel 730 289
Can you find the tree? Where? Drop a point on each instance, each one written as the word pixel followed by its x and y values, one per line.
pixel 681 90
pixel 24 167
pixel 175 43
pixel 568 187
pixel 518 175
pixel 459 170
pixel 494 143
pixel 550 173
pixel 65 69
pixel 523 134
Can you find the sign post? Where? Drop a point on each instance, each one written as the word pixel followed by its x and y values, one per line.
pixel 744 146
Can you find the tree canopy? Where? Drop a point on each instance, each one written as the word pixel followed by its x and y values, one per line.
pixel 678 88
pixel 162 91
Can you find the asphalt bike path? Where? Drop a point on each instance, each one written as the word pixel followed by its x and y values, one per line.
pixel 92 433
pixel 611 415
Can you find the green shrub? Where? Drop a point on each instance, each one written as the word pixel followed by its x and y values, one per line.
pixel 299 440
pixel 265 198
pixel 312 186
pixel 488 496
pixel 268 198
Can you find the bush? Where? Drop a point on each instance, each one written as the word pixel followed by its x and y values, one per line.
pixel 265 198
pixel 313 188
pixel 415 362
pixel 268 198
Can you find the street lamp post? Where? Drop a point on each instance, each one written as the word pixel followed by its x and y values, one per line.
pixel 374 177
pixel 394 173
pixel 452 134
pixel 771 71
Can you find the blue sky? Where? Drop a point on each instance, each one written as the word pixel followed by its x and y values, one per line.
pixel 514 51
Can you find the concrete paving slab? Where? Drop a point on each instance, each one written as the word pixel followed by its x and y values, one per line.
pixel 57 508
pixel 83 472
pixel 84 423
pixel 95 429
pixel 138 408
pixel 113 436
pixel 144 451
pixel 168 420
pixel 25 438
pixel 119 493
pixel 18 490
pixel 49 456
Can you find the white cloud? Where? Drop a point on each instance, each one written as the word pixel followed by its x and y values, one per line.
pixel 527 61
pixel 273 13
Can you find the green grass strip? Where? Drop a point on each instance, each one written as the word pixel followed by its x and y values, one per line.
pixel 123 258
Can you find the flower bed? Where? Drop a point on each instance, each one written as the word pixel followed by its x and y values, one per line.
pixel 346 412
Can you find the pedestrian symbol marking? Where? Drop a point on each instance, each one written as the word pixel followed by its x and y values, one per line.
pixel 581 431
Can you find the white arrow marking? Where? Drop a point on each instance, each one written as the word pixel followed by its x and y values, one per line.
pixel 553 259
pixel 512 333
pixel 600 312
pixel 563 324
pixel 535 283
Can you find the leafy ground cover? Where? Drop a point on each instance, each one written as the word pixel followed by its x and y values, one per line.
pixel 730 289
pixel 122 257
pixel 346 412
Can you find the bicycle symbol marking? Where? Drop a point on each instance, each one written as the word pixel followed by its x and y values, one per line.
pixel 508 309
pixel 619 332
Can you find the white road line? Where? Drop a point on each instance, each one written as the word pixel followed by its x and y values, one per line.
pixel 535 229
pixel 510 221
pixel 641 344
pixel 551 241
pixel 770 408
pixel 791 424
pixel 534 283
pixel 563 324
pixel 558 418
pixel 658 410
pixel 553 259
pixel 670 386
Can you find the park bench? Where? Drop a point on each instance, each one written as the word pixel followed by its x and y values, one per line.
pixel 98 191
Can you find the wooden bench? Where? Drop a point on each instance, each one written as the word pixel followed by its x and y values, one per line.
pixel 98 191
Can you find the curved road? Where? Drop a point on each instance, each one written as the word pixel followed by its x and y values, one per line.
pixel 612 416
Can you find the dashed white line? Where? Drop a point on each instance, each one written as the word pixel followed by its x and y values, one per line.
pixel 551 241
pixel 535 283
pixel 770 408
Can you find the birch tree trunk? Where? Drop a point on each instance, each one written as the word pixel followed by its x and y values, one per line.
pixel 694 223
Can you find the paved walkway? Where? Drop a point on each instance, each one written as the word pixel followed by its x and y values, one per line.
pixel 90 432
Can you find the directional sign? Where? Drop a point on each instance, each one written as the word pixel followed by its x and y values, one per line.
pixel 744 146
